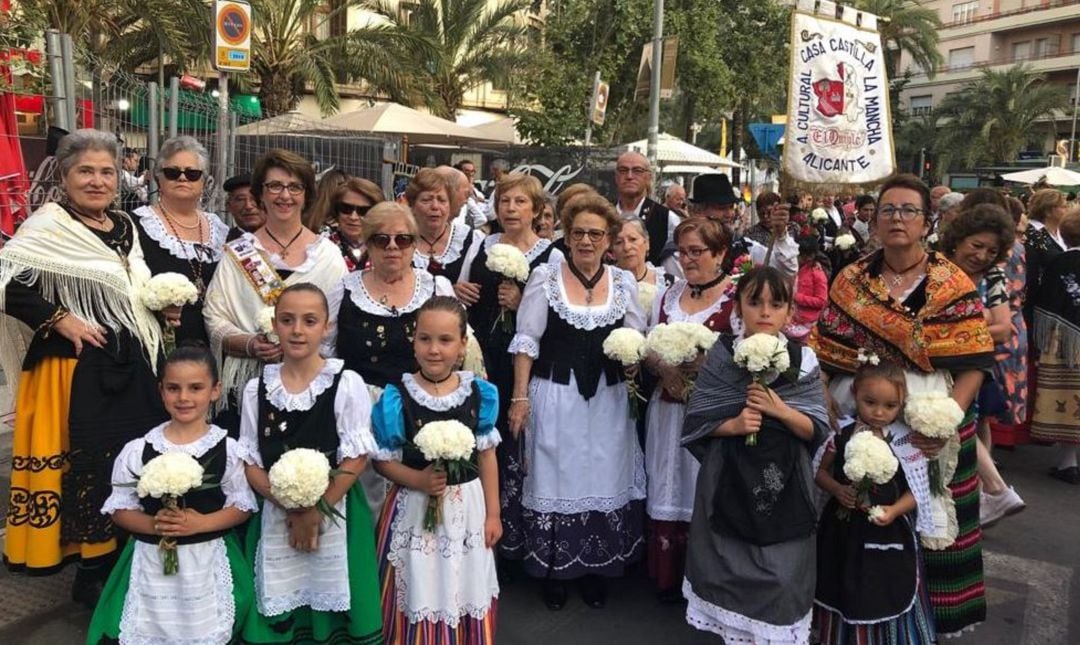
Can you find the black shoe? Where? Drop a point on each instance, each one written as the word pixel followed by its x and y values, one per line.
pixel 554 594
pixel 87 587
pixel 1070 475
pixel 594 591
pixel 672 596
pixel 505 570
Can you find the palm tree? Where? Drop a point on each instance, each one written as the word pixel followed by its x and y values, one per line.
pixel 287 57
pixel 471 44
pixel 997 115
pixel 907 26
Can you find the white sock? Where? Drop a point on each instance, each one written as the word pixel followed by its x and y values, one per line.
pixel 1069 453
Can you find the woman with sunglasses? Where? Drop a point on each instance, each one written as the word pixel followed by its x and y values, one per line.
pixel 343 218
pixel 375 307
pixel 583 494
pixel 257 266
pixel 176 235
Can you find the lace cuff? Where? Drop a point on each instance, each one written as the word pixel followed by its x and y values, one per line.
pixel 242 500
pixel 523 344
pixel 356 443
pixel 121 499
pixel 385 454
pixel 248 451
pixel 488 440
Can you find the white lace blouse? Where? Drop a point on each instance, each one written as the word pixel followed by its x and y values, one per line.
pixel 352 409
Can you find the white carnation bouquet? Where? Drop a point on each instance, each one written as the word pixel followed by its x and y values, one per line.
pixel 264 321
pixel 819 215
pixel 844 242
pixel 678 345
pixel 509 262
pixel 646 295
pixel 627 347
pixel 169 477
pixel 868 461
pixel 450 445
pixel 765 356
pixel 936 415
pixel 299 479
pixel 168 290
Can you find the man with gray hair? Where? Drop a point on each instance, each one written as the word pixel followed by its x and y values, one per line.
pixel 675 199
pixel 633 182
pixel 947 204
pixel 499 168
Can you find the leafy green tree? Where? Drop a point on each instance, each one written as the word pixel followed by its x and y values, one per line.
pixel 470 42
pixel 907 26
pixel 994 117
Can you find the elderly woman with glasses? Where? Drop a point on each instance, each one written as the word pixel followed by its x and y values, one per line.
pixel 915 308
pixel 375 307
pixel 176 235
pixel 343 218
pixel 257 266
pixel 585 485
pixel 80 348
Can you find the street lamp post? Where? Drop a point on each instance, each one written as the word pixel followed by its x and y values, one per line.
pixel 654 85
pixel 1076 102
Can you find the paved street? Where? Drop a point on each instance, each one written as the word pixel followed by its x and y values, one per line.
pixel 1031 564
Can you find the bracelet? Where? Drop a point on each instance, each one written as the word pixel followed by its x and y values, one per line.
pixel 519 399
pixel 48 325
pixel 247 346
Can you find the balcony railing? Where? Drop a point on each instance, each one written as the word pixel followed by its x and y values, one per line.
pixel 1007 60
pixel 1052 4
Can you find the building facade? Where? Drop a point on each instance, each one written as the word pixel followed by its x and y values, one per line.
pixel 998 34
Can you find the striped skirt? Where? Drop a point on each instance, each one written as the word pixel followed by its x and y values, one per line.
pixel 1057 399
pixel 438 588
pixel 955 575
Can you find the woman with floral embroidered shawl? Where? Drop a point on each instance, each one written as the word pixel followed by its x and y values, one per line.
pixel 80 348
pixel 915 308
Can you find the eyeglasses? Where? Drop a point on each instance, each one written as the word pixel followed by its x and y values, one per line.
pixel 345 208
pixel 172 173
pixel 382 240
pixel 907 212
pixel 595 235
pixel 636 171
pixel 275 188
pixel 693 252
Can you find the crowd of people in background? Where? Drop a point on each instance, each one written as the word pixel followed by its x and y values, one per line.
pixel 388 314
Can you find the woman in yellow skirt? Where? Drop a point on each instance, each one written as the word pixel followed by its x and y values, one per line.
pixel 80 347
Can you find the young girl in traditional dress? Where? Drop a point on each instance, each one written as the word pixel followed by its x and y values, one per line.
pixel 439 587
pixel 869 585
pixel 207 599
pixel 315 577
pixel 750 562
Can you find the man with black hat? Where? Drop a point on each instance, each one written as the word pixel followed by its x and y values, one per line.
pixel 241 205
pixel 633 180
pixel 713 197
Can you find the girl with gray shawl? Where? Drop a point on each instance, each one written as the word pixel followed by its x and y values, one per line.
pixel 750 568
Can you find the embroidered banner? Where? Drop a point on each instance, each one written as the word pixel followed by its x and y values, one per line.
pixel 839 128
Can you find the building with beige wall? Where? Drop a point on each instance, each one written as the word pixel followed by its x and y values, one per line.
pixel 977 34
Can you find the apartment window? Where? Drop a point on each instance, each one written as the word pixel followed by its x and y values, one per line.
pixel 1075 43
pixel 1021 51
pixel 961 58
pixel 922 105
pixel 964 11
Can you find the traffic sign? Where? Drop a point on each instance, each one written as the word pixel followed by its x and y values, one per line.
pixel 232 36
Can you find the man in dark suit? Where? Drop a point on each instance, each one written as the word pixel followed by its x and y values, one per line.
pixel 633 181
pixel 246 215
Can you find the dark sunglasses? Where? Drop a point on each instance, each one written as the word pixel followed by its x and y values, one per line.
pixel 348 209
pixel 172 174
pixel 382 240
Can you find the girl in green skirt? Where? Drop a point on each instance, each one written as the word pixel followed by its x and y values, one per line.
pixel 315 576
pixel 207 597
